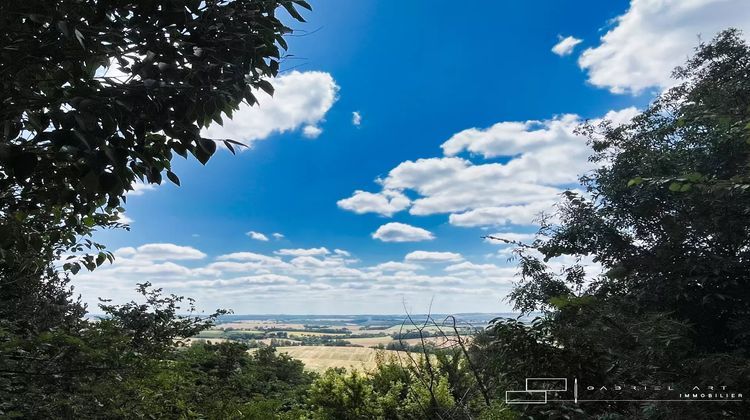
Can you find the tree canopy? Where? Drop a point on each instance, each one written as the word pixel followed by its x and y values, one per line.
pixel 667 217
pixel 98 95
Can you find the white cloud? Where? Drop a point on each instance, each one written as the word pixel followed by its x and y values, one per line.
pixel 490 271
pixel 566 45
pixel 303 252
pixel 123 218
pixel 313 279
pixel 278 235
pixel 162 251
pixel 257 236
pixel 397 266
pixel 541 159
pixel 342 252
pixel 300 99
pixel 249 256
pixel 431 256
pixel 356 118
pixel 311 131
pixel 524 214
pixel 401 232
pixel 654 36
pixel 139 188
pixel 384 203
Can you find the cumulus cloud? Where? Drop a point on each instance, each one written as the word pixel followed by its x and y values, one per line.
pixel 139 188
pixel 385 203
pixel 523 214
pixel 278 235
pixel 401 232
pixel 397 266
pixel 540 160
pixel 566 45
pixel 161 251
pixel 257 236
pixel 356 118
pixel 653 36
pixel 311 131
pixel 247 281
pixel 300 99
pixel 431 256
pixel 342 252
pixel 123 218
pixel 492 271
pixel 303 251
pixel 248 256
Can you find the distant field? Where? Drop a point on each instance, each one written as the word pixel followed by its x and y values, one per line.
pixel 320 358
pixel 210 334
pixel 370 341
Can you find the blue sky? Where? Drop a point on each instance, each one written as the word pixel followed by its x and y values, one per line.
pixel 466 118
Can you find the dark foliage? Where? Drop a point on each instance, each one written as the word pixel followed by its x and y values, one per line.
pixel 668 218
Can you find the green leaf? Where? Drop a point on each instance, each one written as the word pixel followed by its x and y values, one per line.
pixel 292 11
pixel 266 86
pixel 635 181
pixel 675 186
pixel 63 27
pixel 79 37
pixel 208 145
pixel 172 177
pixel 694 177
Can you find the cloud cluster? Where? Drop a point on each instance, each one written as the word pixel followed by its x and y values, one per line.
pixel 536 160
pixel 401 232
pixel 653 36
pixel 386 202
pixel 300 252
pixel 162 251
pixel 243 279
pixel 432 256
pixel 300 99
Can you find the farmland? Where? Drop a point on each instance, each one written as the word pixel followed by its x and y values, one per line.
pixel 343 341
pixel 320 358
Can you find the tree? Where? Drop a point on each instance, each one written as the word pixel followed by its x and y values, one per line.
pixel 389 391
pixel 667 215
pixel 74 139
pixel 96 96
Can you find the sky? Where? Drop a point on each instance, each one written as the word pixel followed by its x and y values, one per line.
pixel 399 134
